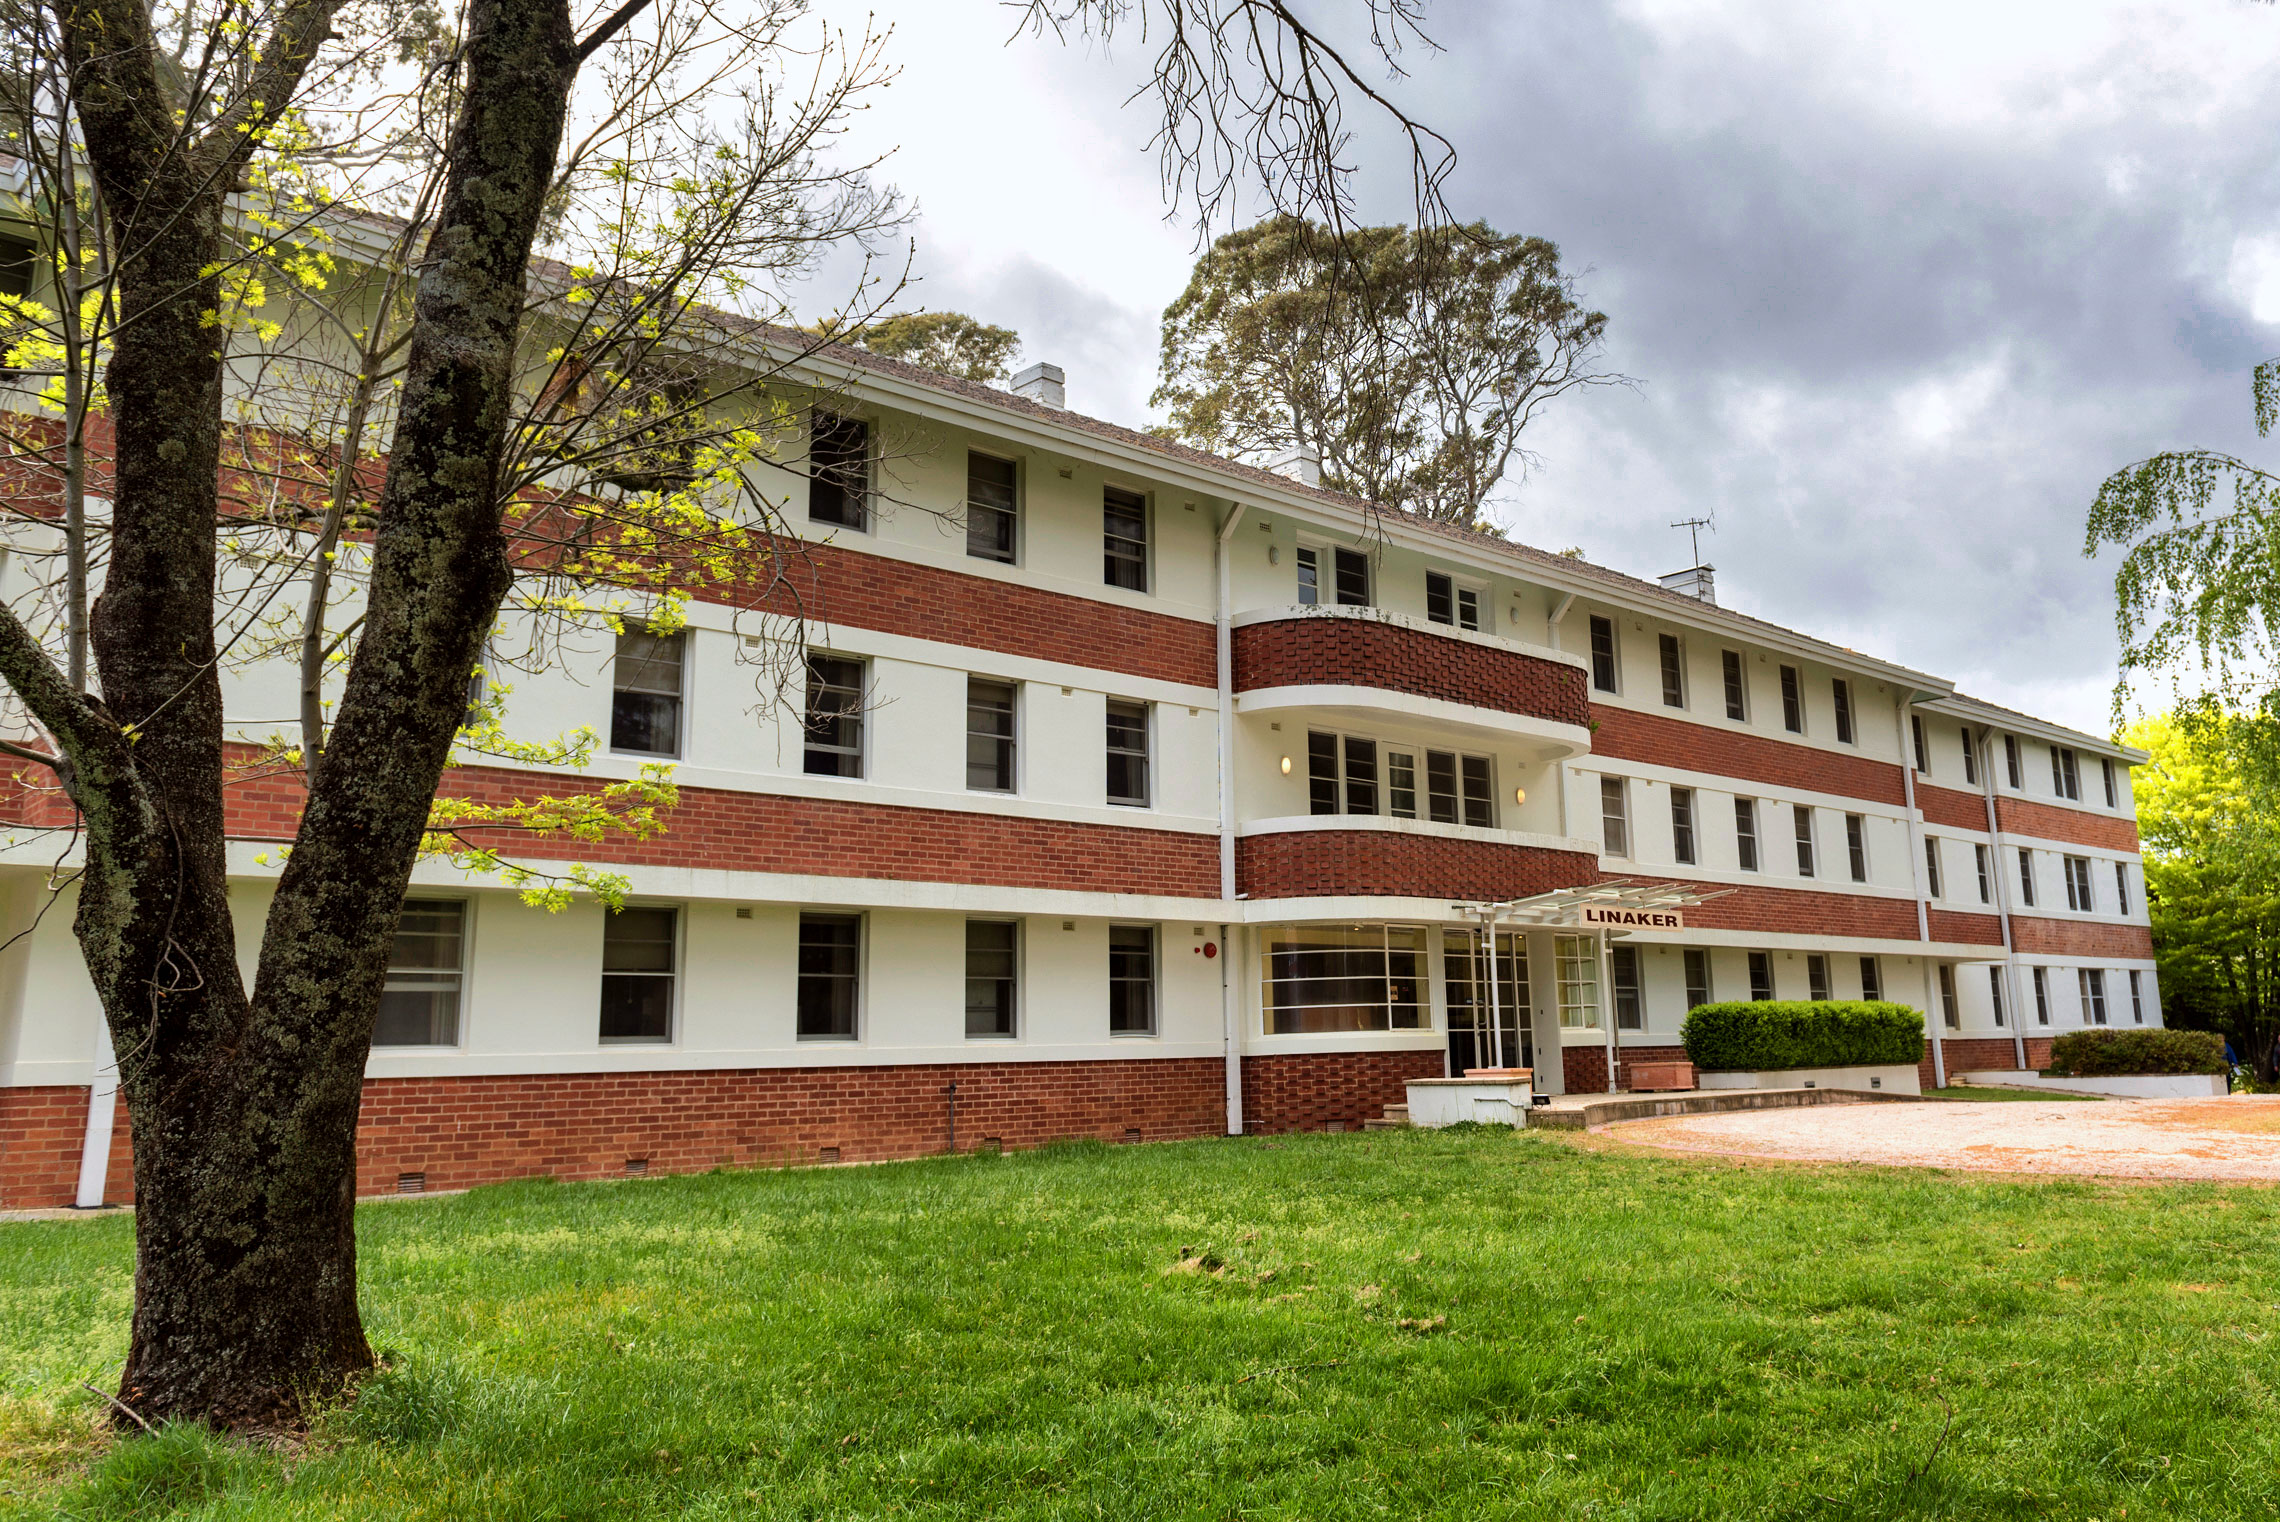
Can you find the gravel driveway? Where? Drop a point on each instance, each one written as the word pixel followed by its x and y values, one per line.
pixel 2232 1138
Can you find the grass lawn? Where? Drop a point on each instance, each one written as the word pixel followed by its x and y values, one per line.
pixel 1454 1324
pixel 2043 1096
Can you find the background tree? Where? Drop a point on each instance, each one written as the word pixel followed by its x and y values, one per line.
pixel 1409 360
pixel 2209 817
pixel 948 343
pixel 574 423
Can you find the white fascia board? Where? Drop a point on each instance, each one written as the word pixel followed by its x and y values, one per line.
pixel 1956 705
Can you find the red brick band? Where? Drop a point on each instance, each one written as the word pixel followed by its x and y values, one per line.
pixel 1797 911
pixel 1973 929
pixel 2083 939
pixel 1627 735
pixel 1951 808
pixel 2047 821
pixel 1368 652
pixel 1333 862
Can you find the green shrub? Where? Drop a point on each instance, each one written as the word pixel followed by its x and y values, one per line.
pixel 2102 1053
pixel 1772 1034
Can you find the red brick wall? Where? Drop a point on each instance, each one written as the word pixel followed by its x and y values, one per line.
pixel 1365 652
pixel 478 1130
pixel 1631 1054
pixel 1976 929
pixel 2076 938
pixel 829 584
pixel 1951 807
pixel 2049 821
pixel 1983 1054
pixel 1308 1091
pixel 1628 735
pixel 1798 911
pixel 1584 1068
pixel 1309 863
pixel 43 1130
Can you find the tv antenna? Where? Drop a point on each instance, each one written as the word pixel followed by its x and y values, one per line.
pixel 1694 528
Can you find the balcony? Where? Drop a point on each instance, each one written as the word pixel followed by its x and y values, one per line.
pixel 1368 856
pixel 1368 665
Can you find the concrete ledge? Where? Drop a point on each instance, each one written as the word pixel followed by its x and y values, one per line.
pixel 2113 1085
pixel 1591 1114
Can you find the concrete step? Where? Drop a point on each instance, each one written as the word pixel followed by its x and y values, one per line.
pixel 1579 1113
pixel 1395 1118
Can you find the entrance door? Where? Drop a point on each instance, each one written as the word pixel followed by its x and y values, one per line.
pixel 1481 1036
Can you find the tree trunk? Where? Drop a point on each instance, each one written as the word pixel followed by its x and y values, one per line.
pixel 244 1110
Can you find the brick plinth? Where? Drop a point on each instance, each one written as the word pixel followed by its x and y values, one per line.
pixel 1315 650
pixel 1633 1054
pixel 1309 1091
pixel 1317 863
pixel 1584 1068
pixel 1982 1054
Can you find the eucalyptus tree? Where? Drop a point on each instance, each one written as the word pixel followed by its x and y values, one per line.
pixel 538 259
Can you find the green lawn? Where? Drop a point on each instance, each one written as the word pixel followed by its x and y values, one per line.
pixel 1455 1324
pixel 2034 1096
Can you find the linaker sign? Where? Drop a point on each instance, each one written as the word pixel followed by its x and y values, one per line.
pixel 1633 919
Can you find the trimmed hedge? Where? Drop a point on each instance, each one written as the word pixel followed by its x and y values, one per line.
pixel 2107 1054
pixel 1769 1035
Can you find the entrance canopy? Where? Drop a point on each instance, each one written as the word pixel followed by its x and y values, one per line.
pixel 1618 904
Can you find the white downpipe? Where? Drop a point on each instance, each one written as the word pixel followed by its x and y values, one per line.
pixel 1230 1017
pixel 2016 1010
pixel 1934 1017
pixel 1607 1012
pixel 102 1114
pixel 1495 1004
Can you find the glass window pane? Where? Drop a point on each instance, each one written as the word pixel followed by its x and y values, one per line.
pixel 419 1003
pixel 1361 776
pixel 1128 754
pixel 830 958
pixel 1480 804
pixel 1132 980
pixel 1124 539
pixel 645 703
pixel 834 727
pixel 989 508
pixel 839 470
pixel 990 977
pixel 989 735
pixel 1441 786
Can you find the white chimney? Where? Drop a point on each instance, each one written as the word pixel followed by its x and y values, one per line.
pixel 1300 463
pixel 1694 581
pixel 1043 384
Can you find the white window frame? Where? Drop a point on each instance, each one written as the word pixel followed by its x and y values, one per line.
pixel 677 976
pixel 465 972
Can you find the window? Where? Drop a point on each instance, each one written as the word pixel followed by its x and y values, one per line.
pixel 2078 884
pixel 1361 776
pixel 1923 750
pixel 419 1004
pixel 645 701
pixel 2026 877
pixel 1401 784
pixel 1132 980
pixel 1576 970
pixel 1817 977
pixel 1623 976
pixel 1603 653
pixel 1344 978
pixel 2042 995
pixel 637 974
pixel 1697 977
pixel 1342 775
pixel 991 951
pixel 831 949
pixel 839 471
pixel 1840 694
pixel 1745 833
pixel 1792 702
pixel 1441 786
pixel 2106 771
pixel 2093 980
pixel 1673 671
pixel 1468 607
pixel 2121 887
pixel 1983 861
pixel 1856 846
pixel 2011 763
pixel 1950 1011
pixel 1995 994
pixel 1465 978
pixel 1124 539
pixel 1682 824
pixel 1309 576
pixel 2065 779
pixel 1614 817
pixel 1737 690
pixel 1970 759
pixel 1128 754
pixel 989 735
pixel 1804 825
pixel 834 717
pixel 1480 799
pixel 1761 975
pixel 1932 867
pixel 1351 574
pixel 1440 598
pixel 1871 978
pixel 2137 997
pixel 989 508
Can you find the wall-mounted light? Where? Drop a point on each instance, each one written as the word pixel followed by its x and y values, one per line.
pixel 1274 554
pixel 1519 795
pixel 1286 766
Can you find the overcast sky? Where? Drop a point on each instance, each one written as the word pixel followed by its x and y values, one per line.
pixel 1901 283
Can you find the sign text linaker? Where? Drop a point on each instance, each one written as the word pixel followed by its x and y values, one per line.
pixel 1634 919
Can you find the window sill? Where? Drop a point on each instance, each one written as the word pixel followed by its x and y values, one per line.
pixel 829 1040
pixel 636 1040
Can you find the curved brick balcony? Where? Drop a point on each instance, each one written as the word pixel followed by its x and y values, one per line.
pixel 1345 857
pixel 1367 659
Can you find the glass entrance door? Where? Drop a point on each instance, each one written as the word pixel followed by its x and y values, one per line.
pixel 1485 1032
